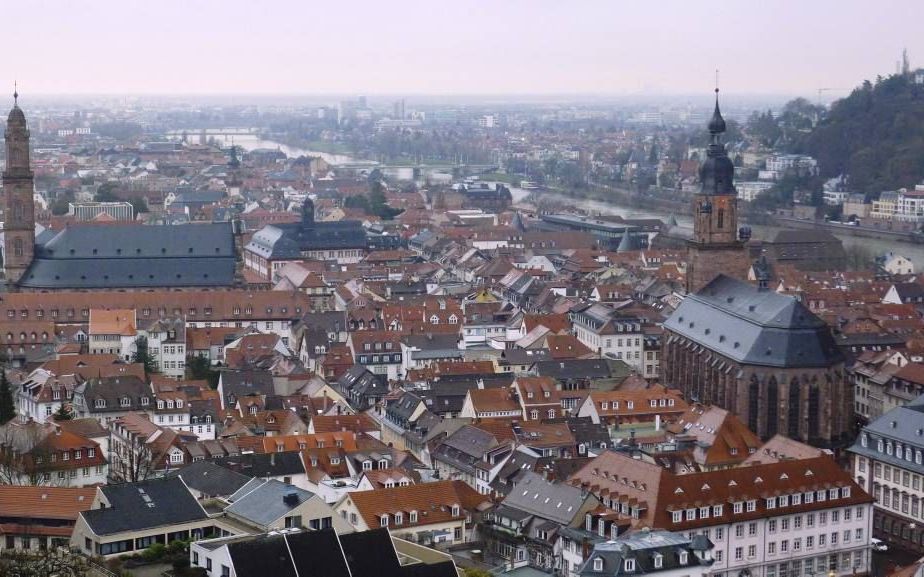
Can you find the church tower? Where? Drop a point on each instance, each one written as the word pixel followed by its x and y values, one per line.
pixel 717 245
pixel 18 201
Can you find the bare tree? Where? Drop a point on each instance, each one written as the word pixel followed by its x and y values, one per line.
pixel 61 563
pixel 25 457
pixel 132 458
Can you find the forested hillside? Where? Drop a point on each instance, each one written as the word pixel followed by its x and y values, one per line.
pixel 875 136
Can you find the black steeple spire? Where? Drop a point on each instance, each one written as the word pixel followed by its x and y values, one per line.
pixel 717 124
pixel 717 173
pixel 15 93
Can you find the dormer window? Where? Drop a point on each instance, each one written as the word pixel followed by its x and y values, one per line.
pixel 412 517
pixel 683 558
pixel 145 401
pixel 100 403
pixel 629 565
pixel 658 560
pixel 160 404
pixel 383 464
pixel 126 402
pixel 367 465
pixel 383 521
pixel 179 403
pixel 399 518
pixel 598 564
pixel 455 510
pixel 253 409
pixel 56 395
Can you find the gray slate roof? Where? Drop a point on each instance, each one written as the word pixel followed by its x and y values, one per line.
pixel 211 479
pixel 903 425
pixel 261 502
pixel 554 501
pixel 134 256
pixel 643 547
pixel 144 505
pixel 754 327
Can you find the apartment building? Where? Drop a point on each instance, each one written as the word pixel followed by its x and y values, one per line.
pixel 791 518
pixel 888 462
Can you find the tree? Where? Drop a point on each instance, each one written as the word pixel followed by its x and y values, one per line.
pixel 63 413
pixel 139 204
pixel 105 192
pixel 143 355
pixel 25 456
pixel 7 406
pixel 52 563
pixel 131 458
pixel 200 369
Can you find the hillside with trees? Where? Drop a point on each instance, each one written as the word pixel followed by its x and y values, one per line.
pixel 875 136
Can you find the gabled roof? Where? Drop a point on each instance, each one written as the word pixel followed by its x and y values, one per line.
pixel 64 503
pixel 211 479
pixel 432 501
pixel 261 502
pixel 144 505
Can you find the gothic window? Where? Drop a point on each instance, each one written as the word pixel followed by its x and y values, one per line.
pixel 753 402
pixel 813 407
pixel 794 407
pixel 17 211
pixel 720 220
pixel 773 407
pixel 17 247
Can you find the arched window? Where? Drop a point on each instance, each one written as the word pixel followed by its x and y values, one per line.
pixel 720 218
pixel 795 406
pixel 813 407
pixel 773 407
pixel 753 402
pixel 17 247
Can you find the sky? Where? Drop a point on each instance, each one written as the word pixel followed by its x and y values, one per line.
pixel 454 47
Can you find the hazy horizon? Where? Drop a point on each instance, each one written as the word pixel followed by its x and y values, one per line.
pixel 593 49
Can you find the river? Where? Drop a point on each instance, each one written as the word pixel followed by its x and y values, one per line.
pixel 248 141
pixel 873 246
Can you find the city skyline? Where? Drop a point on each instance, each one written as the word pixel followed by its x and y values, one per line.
pixel 470 48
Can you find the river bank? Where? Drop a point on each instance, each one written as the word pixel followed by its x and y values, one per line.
pixel 864 248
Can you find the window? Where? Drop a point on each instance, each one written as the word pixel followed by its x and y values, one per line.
pixel 739 531
pixel 678 516
pixel 752 551
pixel 739 553
pixel 683 557
pixel 752 506
pixel 717 510
pixel 752 529
pixel 598 564
pixel 383 522
pixel 630 565
pixel 737 507
pixel 412 517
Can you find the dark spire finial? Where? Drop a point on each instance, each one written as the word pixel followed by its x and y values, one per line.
pixel 15 93
pixel 717 124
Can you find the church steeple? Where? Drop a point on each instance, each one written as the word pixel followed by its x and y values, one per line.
pixel 717 174
pixel 18 199
pixel 716 246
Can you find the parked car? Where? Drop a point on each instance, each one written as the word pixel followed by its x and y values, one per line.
pixel 879 545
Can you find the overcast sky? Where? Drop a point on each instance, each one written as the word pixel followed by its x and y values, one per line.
pixel 453 46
